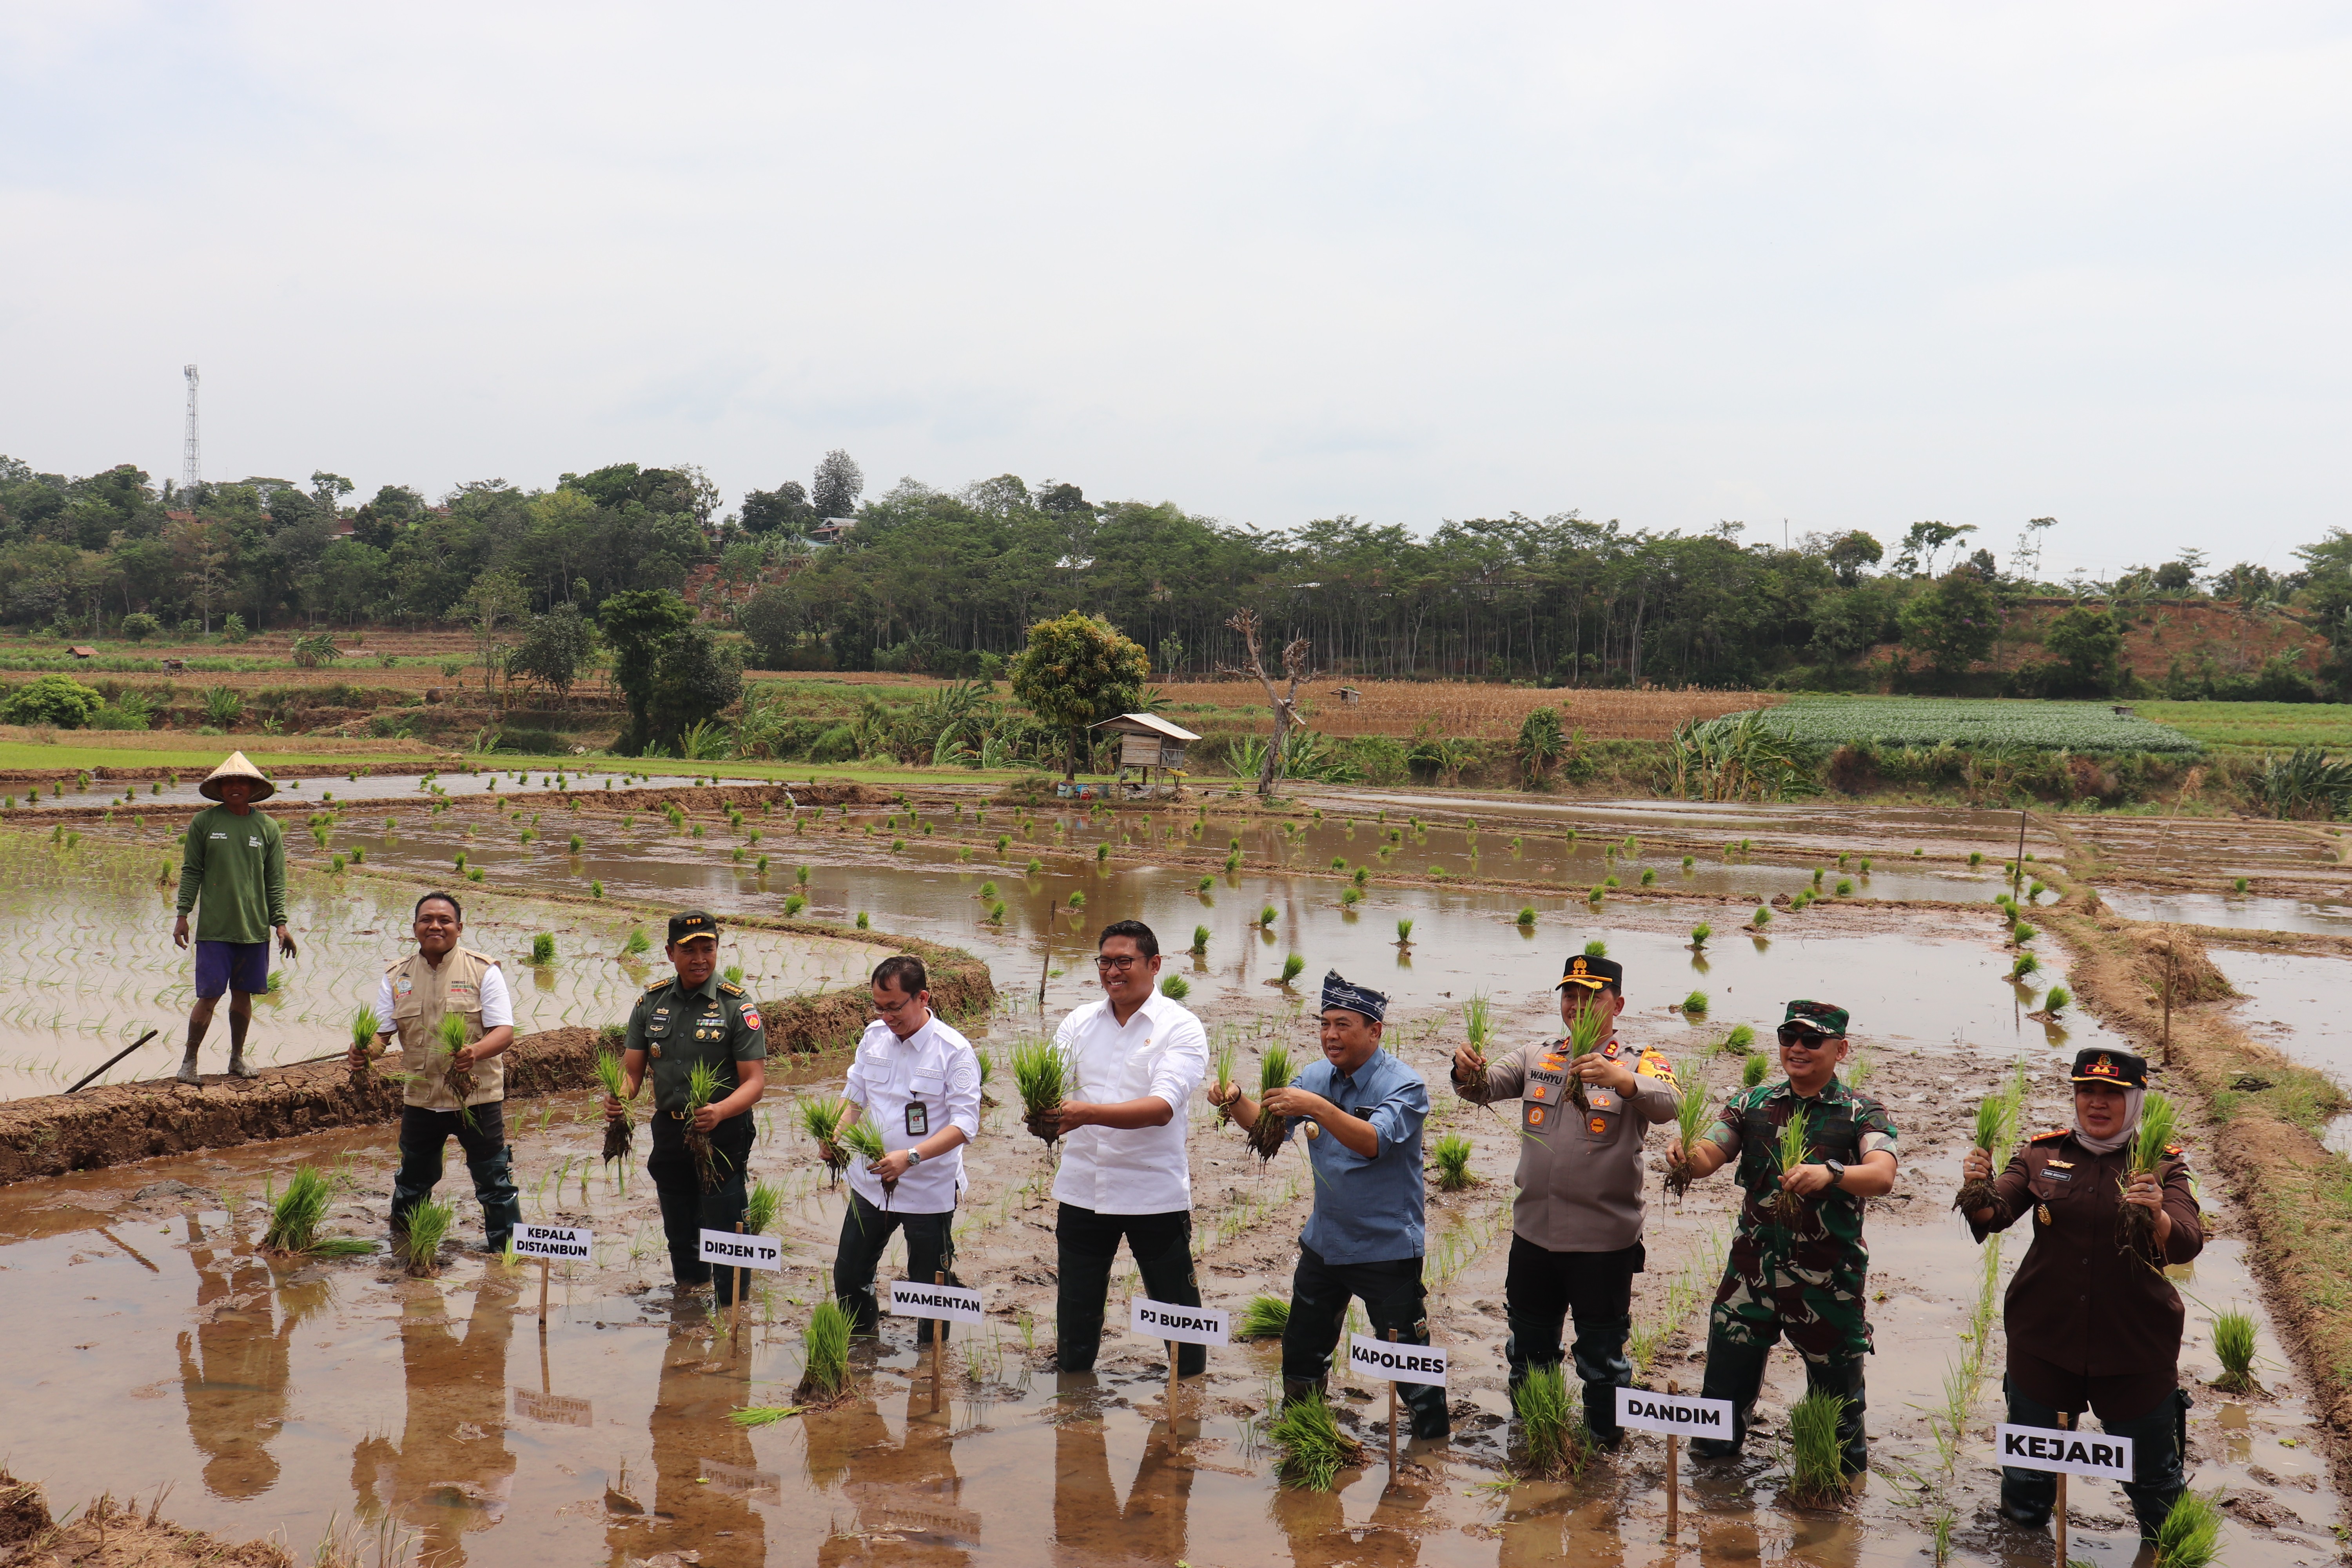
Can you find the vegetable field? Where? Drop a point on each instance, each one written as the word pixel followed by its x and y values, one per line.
pixel 1976 723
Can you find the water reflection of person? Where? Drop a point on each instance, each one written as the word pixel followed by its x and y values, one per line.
pixel 701 1382
pixel 1089 1526
pixel 234 1367
pixel 1321 1537
pixel 898 1488
pixel 450 1474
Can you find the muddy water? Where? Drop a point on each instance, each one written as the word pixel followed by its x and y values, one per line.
pixel 313 792
pixel 2237 911
pixel 93 966
pixel 276 1394
pixel 2295 1002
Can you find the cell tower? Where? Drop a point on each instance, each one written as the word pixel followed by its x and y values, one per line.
pixel 192 455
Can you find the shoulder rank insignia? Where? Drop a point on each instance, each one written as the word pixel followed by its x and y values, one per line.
pixel 656 985
pixel 2053 1133
pixel 731 988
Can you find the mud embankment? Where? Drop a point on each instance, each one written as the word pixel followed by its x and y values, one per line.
pixel 113 1124
pixel 108 1534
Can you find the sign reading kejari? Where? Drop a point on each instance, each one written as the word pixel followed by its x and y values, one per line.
pixel 1389 1360
pixel 2091 1454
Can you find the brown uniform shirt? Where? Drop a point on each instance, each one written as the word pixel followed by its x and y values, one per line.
pixel 1579 1175
pixel 2081 1307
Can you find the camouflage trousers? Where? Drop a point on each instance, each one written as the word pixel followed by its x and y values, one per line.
pixel 1817 1305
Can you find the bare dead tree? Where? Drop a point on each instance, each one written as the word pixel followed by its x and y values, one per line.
pixel 1295 669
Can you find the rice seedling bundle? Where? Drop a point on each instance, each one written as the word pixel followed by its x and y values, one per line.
pixel 365 1027
pixel 2057 1001
pixel 1274 1071
pixel 619 1132
pixel 760 1210
pixel 2158 1120
pixel 1526 915
pixel 1817 1466
pixel 2190 1535
pixel 2026 965
pixel 702 1089
pixel 762 1414
pixel 1041 1075
pixel 1312 1448
pixel 1453 1155
pixel 1586 1026
pixel 1550 1422
pixel 1752 1070
pixel 1200 938
pixel 1264 1318
pixel 1291 967
pixel 821 1119
pixel 1741 1038
pixel 1404 933
pixel 296 1214
pixel 428 1226
pixel 824 1354
pixel 637 941
pixel 1994 1114
pixel 1762 917
pixel 1791 1149
pixel 2233 1346
pixel 542 948
pixel 1691 1104
pixel 1478 1026
pixel 1175 987
pixel 1700 932
pixel 1695 1002
pixel 457 1076
pixel 863 1142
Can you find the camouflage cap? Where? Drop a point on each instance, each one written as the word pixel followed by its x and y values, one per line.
pixel 1814 1019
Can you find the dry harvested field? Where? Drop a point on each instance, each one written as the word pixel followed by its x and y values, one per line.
pixel 1465 709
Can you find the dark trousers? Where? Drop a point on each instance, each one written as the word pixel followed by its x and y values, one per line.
pixel 1087 1244
pixel 1734 1371
pixel 687 1211
pixel 1392 1298
pixel 864 1232
pixel 2158 1437
pixel 1544 1288
pixel 481 1133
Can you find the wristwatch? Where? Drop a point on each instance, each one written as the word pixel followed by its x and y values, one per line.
pixel 1837 1172
pixel 914 1157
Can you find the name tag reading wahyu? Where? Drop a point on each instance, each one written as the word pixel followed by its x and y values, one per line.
pixel 1395 1362
pixel 742 1251
pixel 2093 1454
pixel 1676 1414
pixel 950 1303
pixel 557 1241
pixel 1185 1325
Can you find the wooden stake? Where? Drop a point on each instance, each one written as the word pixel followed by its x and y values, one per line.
pixel 2065 1423
pixel 543 1295
pixel 1393 1413
pixel 938 1338
pixel 546 1381
pixel 2167 1004
pixel 1674 1472
pixel 735 1308
pixel 1171 1390
pixel 2017 882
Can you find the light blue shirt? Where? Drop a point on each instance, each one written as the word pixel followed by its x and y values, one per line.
pixel 1367 1210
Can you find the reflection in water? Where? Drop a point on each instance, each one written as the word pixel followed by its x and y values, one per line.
pixel 1089 1526
pixel 909 1496
pixel 235 1382
pixel 1321 1537
pixel 706 1475
pixel 450 1474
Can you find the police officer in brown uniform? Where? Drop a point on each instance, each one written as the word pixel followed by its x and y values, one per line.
pixel 2091 1323
pixel 1576 1225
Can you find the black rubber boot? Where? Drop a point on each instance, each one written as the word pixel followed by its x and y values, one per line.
pixel 2157 1482
pixel 1300 1388
pixel 1844 1379
pixel 494 1189
pixel 1734 1372
pixel 1601 1366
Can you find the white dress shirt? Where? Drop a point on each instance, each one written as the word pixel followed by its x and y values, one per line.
pixel 934 1068
pixel 1162 1050
pixel 497 1005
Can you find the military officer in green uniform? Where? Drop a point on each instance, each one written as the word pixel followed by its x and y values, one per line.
pixel 1797 1268
pixel 692 1019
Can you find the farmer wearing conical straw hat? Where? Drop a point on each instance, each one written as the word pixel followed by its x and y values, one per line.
pixel 235 863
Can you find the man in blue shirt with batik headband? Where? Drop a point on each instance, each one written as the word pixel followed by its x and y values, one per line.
pixel 1364 1110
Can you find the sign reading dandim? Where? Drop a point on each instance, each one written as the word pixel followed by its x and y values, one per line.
pixel 1676 1414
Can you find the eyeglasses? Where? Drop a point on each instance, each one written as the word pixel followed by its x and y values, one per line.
pixel 1118 964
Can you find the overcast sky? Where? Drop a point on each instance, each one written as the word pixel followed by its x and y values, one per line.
pixel 1849 267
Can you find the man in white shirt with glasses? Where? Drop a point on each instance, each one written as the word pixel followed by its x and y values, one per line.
pixel 1135 1058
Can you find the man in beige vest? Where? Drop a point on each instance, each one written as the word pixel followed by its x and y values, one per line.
pixel 443 979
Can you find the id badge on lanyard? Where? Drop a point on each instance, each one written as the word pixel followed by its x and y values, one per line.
pixel 918 1119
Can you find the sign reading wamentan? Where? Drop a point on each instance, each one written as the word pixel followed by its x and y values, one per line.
pixel 2091 1454
pixel 1387 1360
pixel 1185 1325
pixel 953 1304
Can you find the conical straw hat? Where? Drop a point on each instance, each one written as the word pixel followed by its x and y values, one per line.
pixel 237 767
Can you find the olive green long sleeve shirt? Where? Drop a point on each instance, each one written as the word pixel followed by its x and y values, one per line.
pixel 237 865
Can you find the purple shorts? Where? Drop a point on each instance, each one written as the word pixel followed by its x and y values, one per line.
pixel 231 966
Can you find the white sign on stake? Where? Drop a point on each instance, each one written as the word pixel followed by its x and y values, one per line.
pixel 2093 1454
pixel 1185 1325
pixel 953 1304
pixel 1391 1361
pixel 736 1251
pixel 561 1242
pixel 1676 1414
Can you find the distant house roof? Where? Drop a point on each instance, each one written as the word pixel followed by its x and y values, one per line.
pixel 832 528
pixel 1152 721
pixel 82 650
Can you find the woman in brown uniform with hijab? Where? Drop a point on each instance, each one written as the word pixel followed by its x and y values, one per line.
pixel 2089 1322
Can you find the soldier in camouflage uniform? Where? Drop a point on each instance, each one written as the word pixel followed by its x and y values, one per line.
pixel 1800 1277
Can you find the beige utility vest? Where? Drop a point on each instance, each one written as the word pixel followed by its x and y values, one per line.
pixel 422 993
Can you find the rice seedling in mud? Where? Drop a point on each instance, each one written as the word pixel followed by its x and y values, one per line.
pixel 1404 933
pixel 1994 1114
pixel 821 1119
pixel 2233 1346
pixel 1274 1071
pixel 1452 1153
pixel 1691 1103
pixel 1527 917
pixel 1791 1149
pixel 1312 1448
pixel 428 1226
pixel 1552 1439
pixel 1264 1318
pixel 1175 987
pixel 2026 965
pixel 2056 1001
pixel 1740 1041
pixel 2159 1121
pixel 702 1089
pixel 824 1354
pixel 637 942
pixel 2190 1535
pixel 1699 933
pixel 1695 1002
pixel 761 1209
pixel 1041 1075
pixel 762 1414
pixel 1291 967
pixel 1761 917
pixel 1816 1459
pixel 1858 1069
pixel 296 1214
pixel 619 1132
pixel 1222 1062
pixel 1200 940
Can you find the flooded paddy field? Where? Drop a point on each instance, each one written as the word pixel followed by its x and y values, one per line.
pixel 275 1393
